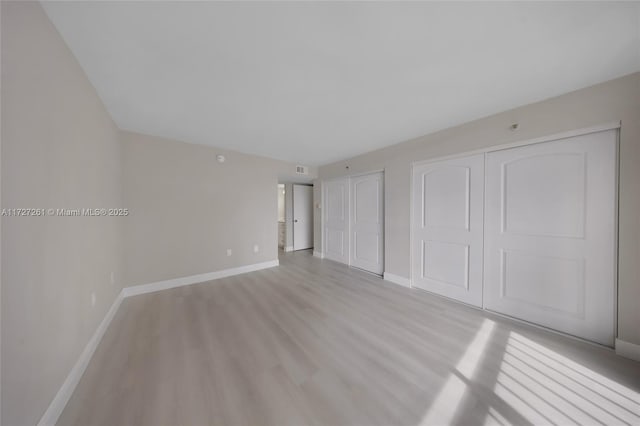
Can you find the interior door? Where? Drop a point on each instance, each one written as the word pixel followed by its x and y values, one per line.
pixel 367 222
pixel 336 220
pixel 448 228
pixel 302 217
pixel 550 234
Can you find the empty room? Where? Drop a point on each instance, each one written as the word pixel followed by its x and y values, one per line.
pixel 319 213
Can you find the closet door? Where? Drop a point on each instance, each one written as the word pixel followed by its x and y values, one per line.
pixel 367 222
pixel 447 228
pixel 336 220
pixel 550 234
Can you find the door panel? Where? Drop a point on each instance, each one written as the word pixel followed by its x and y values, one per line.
pixel 446 263
pixel 447 190
pixel 302 217
pixel 367 222
pixel 447 228
pixel 336 220
pixel 550 234
pixel 546 195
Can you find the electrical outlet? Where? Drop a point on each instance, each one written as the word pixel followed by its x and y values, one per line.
pixel 112 277
pixel 256 248
pixel 93 299
pixel 229 252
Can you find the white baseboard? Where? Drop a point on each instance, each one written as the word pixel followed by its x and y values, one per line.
pixel 628 349
pixel 50 417
pixel 397 279
pixel 194 279
pixel 58 403
pixel 288 248
pixel 318 254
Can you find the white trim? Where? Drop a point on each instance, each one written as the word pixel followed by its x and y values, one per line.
pixel 318 254
pixel 194 279
pixel 628 349
pixel 288 248
pixel 534 325
pixel 367 173
pixel 397 279
pixel 548 138
pixel 50 417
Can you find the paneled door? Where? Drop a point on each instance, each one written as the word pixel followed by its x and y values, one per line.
pixel 367 222
pixel 336 219
pixel 550 234
pixel 302 217
pixel 447 228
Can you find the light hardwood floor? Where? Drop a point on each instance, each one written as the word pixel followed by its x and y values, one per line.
pixel 313 342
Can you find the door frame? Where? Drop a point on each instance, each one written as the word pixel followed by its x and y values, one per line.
pixel 323 204
pixel 614 125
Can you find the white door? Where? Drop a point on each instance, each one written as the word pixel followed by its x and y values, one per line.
pixel 336 220
pixel 302 217
pixel 550 234
pixel 447 228
pixel 367 222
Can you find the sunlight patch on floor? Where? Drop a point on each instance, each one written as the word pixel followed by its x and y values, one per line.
pixel 540 385
pixel 494 418
pixel 445 405
pixel 546 387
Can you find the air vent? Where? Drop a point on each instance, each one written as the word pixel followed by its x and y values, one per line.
pixel 302 170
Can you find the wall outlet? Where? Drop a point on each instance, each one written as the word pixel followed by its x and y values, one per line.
pixel 93 299
pixel 112 277
pixel 256 248
pixel 229 252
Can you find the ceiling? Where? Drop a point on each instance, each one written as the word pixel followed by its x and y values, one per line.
pixel 316 82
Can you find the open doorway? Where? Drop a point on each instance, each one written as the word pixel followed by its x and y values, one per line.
pixel 282 231
pixel 295 216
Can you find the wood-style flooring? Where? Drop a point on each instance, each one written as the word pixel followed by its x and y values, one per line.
pixel 313 342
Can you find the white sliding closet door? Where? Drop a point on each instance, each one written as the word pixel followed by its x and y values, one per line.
pixel 367 222
pixel 447 228
pixel 336 220
pixel 550 234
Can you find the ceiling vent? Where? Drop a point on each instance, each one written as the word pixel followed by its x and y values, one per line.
pixel 302 170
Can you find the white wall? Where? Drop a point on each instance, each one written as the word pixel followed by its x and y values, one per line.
pixel 60 149
pixel 611 101
pixel 187 209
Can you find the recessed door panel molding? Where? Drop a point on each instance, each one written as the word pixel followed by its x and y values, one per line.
pixel 550 217
pixel 535 202
pixel 446 263
pixel 447 228
pixel 366 248
pixel 448 189
pixel 562 296
pixel 367 222
pixel 336 220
